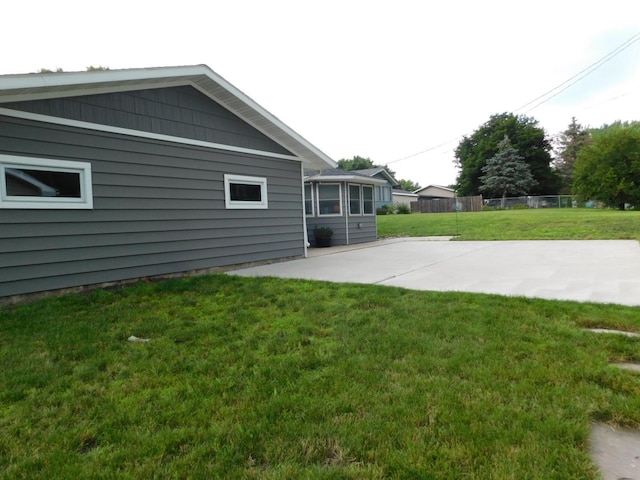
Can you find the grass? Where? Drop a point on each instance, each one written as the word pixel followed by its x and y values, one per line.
pixel 527 224
pixel 282 379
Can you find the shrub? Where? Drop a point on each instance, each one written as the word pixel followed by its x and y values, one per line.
pixel 384 210
pixel 402 208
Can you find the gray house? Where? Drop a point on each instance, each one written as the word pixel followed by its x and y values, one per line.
pixel 384 190
pixel 114 175
pixel 343 201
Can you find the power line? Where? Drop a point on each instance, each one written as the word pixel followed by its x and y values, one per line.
pixel 582 74
pixel 577 77
pixel 423 151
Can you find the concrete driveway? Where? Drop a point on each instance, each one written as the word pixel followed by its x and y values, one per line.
pixel 605 271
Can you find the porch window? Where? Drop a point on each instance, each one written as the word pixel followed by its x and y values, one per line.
pixel 43 183
pixel 355 200
pixel 308 199
pixel 367 200
pixel 329 199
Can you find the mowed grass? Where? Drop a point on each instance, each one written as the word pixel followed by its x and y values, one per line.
pixel 264 378
pixel 528 224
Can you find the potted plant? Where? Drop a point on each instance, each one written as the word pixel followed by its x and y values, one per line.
pixel 322 236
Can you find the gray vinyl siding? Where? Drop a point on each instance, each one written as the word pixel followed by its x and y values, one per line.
pixel 158 209
pixel 176 111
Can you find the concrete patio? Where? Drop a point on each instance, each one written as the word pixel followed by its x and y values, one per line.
pixel 604 271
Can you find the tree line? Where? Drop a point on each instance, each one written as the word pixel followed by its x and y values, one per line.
pixel 511 155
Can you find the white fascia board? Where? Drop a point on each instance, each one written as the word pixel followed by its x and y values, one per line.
pixel 345 178
pixel 88 79
pixel 413 195
pixel 36 86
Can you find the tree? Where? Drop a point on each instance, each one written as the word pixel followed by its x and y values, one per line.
pixel 526 137
pixel 608 168
pixel 506 173
pixel 90 68
pixel 409 185
pixel 355 163
pixel 570 142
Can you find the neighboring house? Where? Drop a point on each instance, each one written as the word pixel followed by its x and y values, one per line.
pixel 115 175
pixel 435 191
pixel 404 196
pixel 383 191
pixel 344 201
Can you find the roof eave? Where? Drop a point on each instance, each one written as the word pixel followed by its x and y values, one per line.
pixel 38 86
pixel 345 178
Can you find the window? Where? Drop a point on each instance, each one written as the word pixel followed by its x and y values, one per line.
pixel 361 200
pixel 367 200
pixel 355 200
pixel 308 199
pixel 329 199
pixel 245 192
pixel 28 182
pixel 384 193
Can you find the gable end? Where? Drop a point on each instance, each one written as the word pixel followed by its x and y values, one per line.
pixel 180 111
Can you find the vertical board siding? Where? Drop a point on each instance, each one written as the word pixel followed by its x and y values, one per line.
pixel 177 111
pixel 158 209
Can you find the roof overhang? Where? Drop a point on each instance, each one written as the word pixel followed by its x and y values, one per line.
pixel 24 87
pixel 345 178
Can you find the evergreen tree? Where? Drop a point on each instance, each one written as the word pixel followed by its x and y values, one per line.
pixel 527 138
pixel 506 173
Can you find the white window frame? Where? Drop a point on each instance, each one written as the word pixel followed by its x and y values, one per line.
pixel 332 214
pixel 360 200
pixel 310 200
pixel 25 202
pixel 240 204
pixel 373 200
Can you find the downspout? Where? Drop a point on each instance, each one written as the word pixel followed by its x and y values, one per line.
pixel 346 210
pixel 304 214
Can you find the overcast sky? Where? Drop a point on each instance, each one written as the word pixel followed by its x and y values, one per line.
pixel 384 80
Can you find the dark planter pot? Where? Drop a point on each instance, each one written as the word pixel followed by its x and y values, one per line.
pixel 323 241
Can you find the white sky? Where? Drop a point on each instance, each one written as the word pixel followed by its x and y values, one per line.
pixel 384 80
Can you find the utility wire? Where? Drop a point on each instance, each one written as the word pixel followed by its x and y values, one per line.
pixel 577 77
pixel 580 75
pixel 423 151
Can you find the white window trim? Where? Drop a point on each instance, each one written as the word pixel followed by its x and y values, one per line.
pixel 373 201
pixel 22 202
pixel 313 206
pixel 360 200
pixel 320 214
pixel 238 204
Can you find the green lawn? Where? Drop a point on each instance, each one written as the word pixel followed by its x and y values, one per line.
pixel 528 224
pixel 283 379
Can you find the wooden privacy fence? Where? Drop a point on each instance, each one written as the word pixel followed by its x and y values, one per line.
pixel 441 205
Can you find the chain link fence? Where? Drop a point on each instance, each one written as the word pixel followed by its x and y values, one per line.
pixel 545 201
